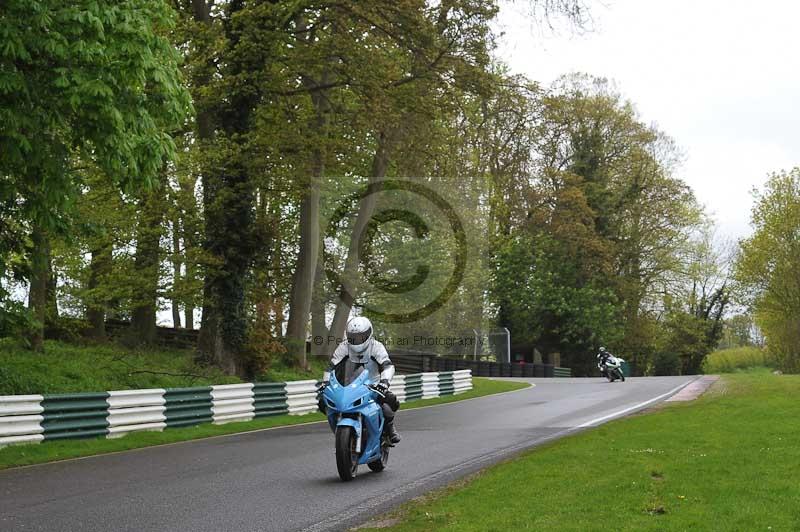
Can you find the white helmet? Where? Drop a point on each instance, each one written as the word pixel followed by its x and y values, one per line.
pixel 359 334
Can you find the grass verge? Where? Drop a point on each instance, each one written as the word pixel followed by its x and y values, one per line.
pixel 65 367
pixel 19 455
pixel 726 461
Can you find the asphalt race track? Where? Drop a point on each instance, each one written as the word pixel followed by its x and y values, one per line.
pixel 285 479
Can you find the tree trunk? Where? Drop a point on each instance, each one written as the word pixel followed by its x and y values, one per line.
pixel 308 255
pixel 319 330
pixel 380 164
pixel 148 238
pixel 188 317
pixel 303 279
pixel 37 296
pixel 99 269
pixel 228 198
pixel 176 272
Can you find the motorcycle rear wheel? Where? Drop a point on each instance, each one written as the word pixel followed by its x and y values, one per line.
pixel 346 455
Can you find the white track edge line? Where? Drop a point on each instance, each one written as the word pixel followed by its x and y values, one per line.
pixel 619 413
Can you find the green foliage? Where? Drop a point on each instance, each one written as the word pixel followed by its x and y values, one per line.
pixel 88 82
pixel 97 77
pixel 573 221
pixel 736 359
pixel 545 302
pixel 596 230
pixel 666 363
pixel 769 267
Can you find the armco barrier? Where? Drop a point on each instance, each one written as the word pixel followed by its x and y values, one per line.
pixel 75 415
pixel 430 385
pixel 398 386
pixel 270 399
pixel 232 402
pixel 301 397
pixel 462 381
pixel 188 406
pixel 33 418
pixel 562 372
pixel 135 410
pixel 21 419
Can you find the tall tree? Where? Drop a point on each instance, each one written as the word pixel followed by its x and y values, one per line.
pixel 768 267
pixel 64 90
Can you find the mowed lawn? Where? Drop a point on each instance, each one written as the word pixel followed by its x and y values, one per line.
pixel 729 461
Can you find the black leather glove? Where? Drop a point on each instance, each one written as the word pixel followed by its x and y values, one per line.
pixel 382 386
pixel 321 387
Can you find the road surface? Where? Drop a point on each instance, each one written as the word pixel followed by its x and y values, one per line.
pixel 285 479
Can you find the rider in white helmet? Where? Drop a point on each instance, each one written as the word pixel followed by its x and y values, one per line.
pixel 361 349
pixel 602 357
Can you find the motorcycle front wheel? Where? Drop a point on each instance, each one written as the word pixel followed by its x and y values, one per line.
pixel 346 455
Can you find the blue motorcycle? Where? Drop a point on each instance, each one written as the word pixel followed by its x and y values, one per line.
pixel 357 420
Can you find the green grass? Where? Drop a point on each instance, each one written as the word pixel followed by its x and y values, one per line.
pixel 19 455
pixel 64 367
pixel 736 359
pixel 727 461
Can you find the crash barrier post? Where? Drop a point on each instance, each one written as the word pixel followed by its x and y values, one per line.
pixel 35 418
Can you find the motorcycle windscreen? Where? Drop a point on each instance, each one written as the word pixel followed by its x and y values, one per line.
pixel 348 371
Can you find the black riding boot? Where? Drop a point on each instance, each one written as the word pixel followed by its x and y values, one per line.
pixel 391 431
pixel 388 427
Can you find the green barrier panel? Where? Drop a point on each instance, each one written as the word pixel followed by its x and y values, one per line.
pixel 269 399
pixel 413 386
pixel 188 406
pixel 446 384
pixel 75 415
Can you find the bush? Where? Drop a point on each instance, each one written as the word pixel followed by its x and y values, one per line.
pixel 667 363
pixel 739 358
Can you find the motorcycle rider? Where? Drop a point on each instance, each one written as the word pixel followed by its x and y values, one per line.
pixel 361 349
pixel 602 357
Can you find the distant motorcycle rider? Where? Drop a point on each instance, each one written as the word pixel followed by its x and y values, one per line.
pixel 602 357
pixel 362 350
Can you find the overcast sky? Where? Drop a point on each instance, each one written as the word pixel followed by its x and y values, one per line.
pixel 720 77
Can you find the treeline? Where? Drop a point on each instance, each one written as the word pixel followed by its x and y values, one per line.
pixel 199 157
pixel 768 268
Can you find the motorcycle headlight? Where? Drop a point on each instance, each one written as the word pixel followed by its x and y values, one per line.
pixel 330 403
pixel 358 402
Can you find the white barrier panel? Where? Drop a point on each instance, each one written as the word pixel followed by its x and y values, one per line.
pixel 232 402
pixel 462 381
pixel 20 405
pixel 398 387
pixel 20 421
pixel 301 397
pixel 430 384
pixel 135 410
